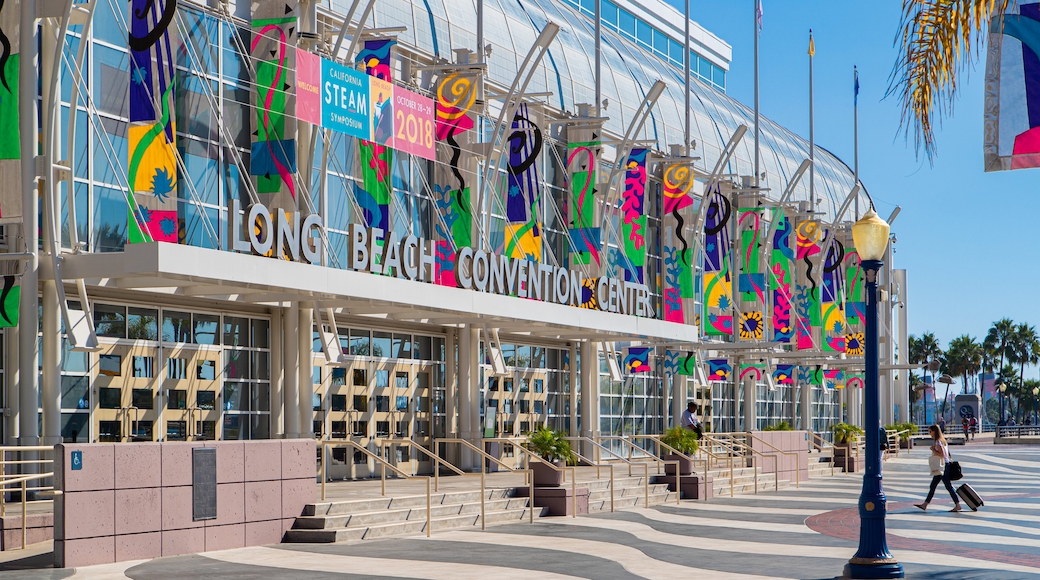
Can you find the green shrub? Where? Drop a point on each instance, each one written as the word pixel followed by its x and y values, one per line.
pixel 845 433
pixel 781 426
pixel 681 439
pixel 550 446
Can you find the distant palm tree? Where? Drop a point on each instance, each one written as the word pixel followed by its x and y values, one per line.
pixel 938 41
pixel 963 357
pixel 997 340
pixel 1026 347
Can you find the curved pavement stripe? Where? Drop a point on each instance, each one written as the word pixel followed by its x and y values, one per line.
pixel 964 522
pixel 1003 460
pixel 380 567
pixel 631 559
pixel 718 523
pixel 648 534
pixel 964 537
pixel 743 509
pixel 115 571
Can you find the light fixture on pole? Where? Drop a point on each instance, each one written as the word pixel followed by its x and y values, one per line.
pixel 1036 403
pixel 872 559
pixel 1002 387
pixel 946 380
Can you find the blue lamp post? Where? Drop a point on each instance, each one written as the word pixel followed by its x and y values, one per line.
pixel 872 559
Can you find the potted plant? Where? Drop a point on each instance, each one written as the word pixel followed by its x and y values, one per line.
pixel 906 440
pixel 550 446
pixel 844 436
pixel 685 442
pixel 781 426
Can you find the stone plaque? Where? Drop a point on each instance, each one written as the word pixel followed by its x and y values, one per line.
pixel 204 483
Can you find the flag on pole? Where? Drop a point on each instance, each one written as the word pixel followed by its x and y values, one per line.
pixel 758 14
pixel 855 88
pixel 812 46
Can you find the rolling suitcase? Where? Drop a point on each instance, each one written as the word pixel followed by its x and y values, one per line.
pixel 970 498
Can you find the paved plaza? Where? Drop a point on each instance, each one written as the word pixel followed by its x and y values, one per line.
pixel 797 533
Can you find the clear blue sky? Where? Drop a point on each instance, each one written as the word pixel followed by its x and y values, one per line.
pixel 962 234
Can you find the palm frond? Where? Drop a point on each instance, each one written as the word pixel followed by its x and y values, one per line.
pixel 938 40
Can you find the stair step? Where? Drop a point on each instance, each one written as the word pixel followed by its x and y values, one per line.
pixel 346 507
pixel 408 527
pixel 386 516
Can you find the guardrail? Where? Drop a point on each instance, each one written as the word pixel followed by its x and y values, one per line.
pixel 385 465
pixel 797 468
pixel 23 465
pixel 627 442
pixel 528 474
pixel 437 461
pixel 528 455
pixel 678 488
pixel 1018 431
pixel 746 450
pixel 816 441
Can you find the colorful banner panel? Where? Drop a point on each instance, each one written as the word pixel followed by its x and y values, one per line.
pixel 413 124
pixel 783 374
pixel 756 371
pixel 583 152
pixel 523 230
pixel 637 360
pixel 456 97
pixel 677 249
pixel 1011 121
pixel 376 157
pixel 633 217
pixel 10 138
pixel 308 87
pixel 855 307
pixel 810 375
pixel 273 50
pixel 152 163
pixel 809 238
pixel 681 363
pixel 834 378
pixel 751 283
pixel 833 297
pixel 781 264
pixel 719 370
pixel 10 297
pixel 718 285
pixel 344 104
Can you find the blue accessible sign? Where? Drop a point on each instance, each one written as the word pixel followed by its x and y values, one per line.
pixel 345 100
pixel 77 460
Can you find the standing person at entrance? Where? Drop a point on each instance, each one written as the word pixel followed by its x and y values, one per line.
pixel 689 419
pixel 942 425
pixel 939 464
pixel 974 425
pixel 965 427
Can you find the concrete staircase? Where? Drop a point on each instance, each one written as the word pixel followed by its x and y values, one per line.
pixel 341 521
pixel 820 464
pixel 628 492
pixel 744 481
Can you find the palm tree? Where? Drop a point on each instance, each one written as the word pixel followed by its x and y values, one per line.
pixel 939 40
pixel 925 349
pixel 963 357
pixel 1026 346
pixel 997 340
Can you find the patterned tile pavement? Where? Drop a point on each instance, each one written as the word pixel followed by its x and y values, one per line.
pixel 808 532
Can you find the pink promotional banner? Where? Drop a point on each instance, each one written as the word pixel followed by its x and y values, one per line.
pixel 413 123
pixel 308 87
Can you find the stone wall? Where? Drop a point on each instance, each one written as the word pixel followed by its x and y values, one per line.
pixel 133 501
pixel 790 441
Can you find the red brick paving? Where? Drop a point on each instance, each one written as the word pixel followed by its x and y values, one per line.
pixel 844 524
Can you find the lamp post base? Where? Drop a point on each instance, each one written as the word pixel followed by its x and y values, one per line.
pixel 884 568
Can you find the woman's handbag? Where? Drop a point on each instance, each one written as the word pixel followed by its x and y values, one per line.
pixel 935 464
pixel 955 471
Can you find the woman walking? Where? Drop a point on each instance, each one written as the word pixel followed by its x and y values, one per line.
pixel 939 463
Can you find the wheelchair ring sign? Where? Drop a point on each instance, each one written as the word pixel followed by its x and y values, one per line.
pixel 967 412
pixel 77 460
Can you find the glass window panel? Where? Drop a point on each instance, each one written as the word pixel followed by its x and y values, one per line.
pixel 177 368
pixel 316 375
pixel 176 430
pixel 644 33
pixel 234 428
pixel 609 12
pixel 110 320
pixel 339 377
pixel 177 399
pixel 401 380
pixel 142 324
pixel 206 400
pixel 176 326
pixel 382 343
pixel 110 431
pixel 260 426
pixel 207 430
pixel 382 404
pixel 237 366
pixel 626 22
pixel 74 426
pixel 75 392
pixel 339 402
pixel 360 378
pixel 236 397
pixel 110 213
pixel 144 367
pixel 402 347
pixel 142 398
pixel 110 398
pixel 236 331
pixel 401 403
pixel 261 333
pixel 261 365
pixel 205 329
pixel 361 403
pixel 360 342
pixel 424 347
pixel 382 379
pixel 142 430
pixel 261 393
pixel 74 362
pixel 110 365
pixel 206 370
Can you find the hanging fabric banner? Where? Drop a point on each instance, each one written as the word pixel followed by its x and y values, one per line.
pixel 807 296
pixel 1011 121
pixel 754 370
pixel 273 50
pixel 810 375
pixel 151 150
pixel 677 247
pixel 583 150
pixel 10 297
pixel 637 360
pixel 855 307
pixel 751 284
pixel 783 374
pixel 833 297
pixel 781 263
pixel 719 370
pixel 523 230
pixel 718 285
pixel 681 363
pixel 834 378
pixel 632 258
pixel 454 224
pixel 10 137
pixel 376 157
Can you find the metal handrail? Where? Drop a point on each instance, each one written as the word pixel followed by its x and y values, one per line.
pixel 646 482
pixel 23 479
pixel 747 448
pixel 822 443
pixel 384 464
pixel 657 439
pixel 437 461
pixel 4 462
pixel 528 474
pixel 797 468
pixel 646 468
pixel 731 452
pixel 528 454
pixel 598 475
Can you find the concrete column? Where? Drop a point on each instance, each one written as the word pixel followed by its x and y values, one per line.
pixel 572 377
pixel 28 315
pixel 473 387
pixel 277 377
pixel 678 389
pixel 11 387
pixel 291 369
pixel 737 422
pixel 805 392
pixel 750 407
pixel 451 377
pixel 903 384
pixel 51 341
pixel 306 338
pixel 589 393
pixel 465 372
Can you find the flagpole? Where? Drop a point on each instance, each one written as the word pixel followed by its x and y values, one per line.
pixel 686 79
pixel 756 29
pixel 855 133
pixel 812 145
